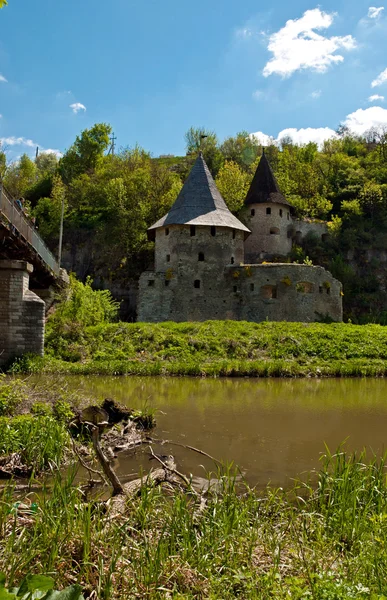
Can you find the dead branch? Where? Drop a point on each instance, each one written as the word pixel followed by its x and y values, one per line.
pixel 110 474
pixel 163 442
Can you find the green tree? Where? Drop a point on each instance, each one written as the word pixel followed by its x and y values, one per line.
pixel 20 176
pixel 201 139
pixel 86 154
pixel 233 184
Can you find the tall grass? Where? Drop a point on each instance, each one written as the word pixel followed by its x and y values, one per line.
pixel 216 348
pixel 323 540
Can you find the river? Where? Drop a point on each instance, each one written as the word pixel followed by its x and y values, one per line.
pixel 273 429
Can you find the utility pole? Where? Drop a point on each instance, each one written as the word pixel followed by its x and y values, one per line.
pixel 113 145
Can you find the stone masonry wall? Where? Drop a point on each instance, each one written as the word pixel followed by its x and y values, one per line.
pixel 21 312
pixel 274 292
pixel 269 232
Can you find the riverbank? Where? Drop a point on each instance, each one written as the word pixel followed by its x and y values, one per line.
pixel 325 540
pixel 214 349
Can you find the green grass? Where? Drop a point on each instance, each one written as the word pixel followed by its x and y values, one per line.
pixel 325 540
pixel 216 348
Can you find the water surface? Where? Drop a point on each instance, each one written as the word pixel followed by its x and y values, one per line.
pixel 274 429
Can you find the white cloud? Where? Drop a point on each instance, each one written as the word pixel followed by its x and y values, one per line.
pixel 381 78
pixel 17 141
pixel 315 94
pixel 22 141
pixel 308 134
pixel 257 94
pixel 297 45
pixel 375 98
pixel 362 120
pixel 244 33
pixel 77 106
pixel 3 79
pixel 374 13
pixel 57 153
pixel 263 138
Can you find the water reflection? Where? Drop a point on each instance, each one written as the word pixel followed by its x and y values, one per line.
pixel 274 429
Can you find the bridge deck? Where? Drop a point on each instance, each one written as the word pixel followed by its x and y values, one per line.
pixel 17 222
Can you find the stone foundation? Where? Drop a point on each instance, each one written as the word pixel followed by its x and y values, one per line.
pixel 274 292
pixel 21 312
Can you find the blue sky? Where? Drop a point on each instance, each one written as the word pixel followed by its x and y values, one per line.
pixel 152 69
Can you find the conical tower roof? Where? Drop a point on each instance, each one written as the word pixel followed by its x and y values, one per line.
pixel 264 187
pixel 199 203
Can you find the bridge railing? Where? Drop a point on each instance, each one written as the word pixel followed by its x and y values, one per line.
pixel 18 221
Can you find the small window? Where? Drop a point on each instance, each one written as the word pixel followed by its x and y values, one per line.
pixel 232 260
pixel 168 258
pixel 197 283
pixel 201 256
pixel 320 289
pixel 213 231
pixel 151 282
pixel 166 231
pixel 192 230
pixel 280 211
pixel 235 288
pixel 328 291
pixel 268 210
pixel 305 287
pixel 166 282
pixel 274 231
pixel 269 291
pixel 288 216
pixel 252 212
pixel 251 287
pixel 233 234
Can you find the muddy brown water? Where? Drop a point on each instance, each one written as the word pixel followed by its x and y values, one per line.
pixel 273 429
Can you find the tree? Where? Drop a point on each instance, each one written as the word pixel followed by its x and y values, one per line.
pixel 85 155
pixel 3 3
pixel 201 139
pixel 242 149
pixel 233 184
pixel 20 176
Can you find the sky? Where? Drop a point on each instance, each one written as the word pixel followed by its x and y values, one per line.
pixel 152 69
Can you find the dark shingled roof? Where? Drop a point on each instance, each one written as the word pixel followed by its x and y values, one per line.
pixel 199 203
pixel 264 187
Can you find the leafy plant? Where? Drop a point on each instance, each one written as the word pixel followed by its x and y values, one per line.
pixel 38 587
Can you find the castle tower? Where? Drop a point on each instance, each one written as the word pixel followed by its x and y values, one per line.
pixel 268 215
pixel 194 242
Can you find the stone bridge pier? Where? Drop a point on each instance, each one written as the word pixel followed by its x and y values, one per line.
pixel 22 312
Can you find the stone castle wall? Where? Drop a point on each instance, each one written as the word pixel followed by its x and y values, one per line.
pixel 269 231
pixel 22 312
pixel 274 292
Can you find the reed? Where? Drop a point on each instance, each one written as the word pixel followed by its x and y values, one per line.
pixel 324 538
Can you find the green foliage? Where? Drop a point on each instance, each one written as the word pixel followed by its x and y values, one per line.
pixel 24 434
pixel 220 348
pixel 38 587
pixel 323 538
pixel 12 393
pixel 232 183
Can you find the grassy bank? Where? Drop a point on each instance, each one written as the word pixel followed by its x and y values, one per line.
pixel 324 542
pixel 214 348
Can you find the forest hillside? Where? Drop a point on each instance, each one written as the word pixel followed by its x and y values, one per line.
pixel 111 199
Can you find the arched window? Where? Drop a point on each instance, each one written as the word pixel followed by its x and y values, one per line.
pixel 232 260
pixel 280 212
pixel 274 231
pixel 197 283
pixel 268 210
pixel 213 231
pixel 166 282
pixel 166 231
pixel 233 234
pixel 252 212
pixel 235 288
pixel 168 258
pixel 251 287
pixel 201 256
pixel 192 230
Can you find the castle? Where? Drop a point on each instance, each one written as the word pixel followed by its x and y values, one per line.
pixel 211 265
